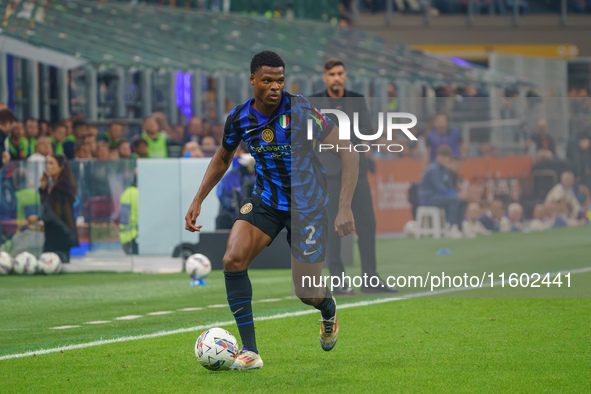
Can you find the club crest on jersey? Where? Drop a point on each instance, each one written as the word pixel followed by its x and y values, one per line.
pixel 267 135
pixel 284 121
pixel 246 208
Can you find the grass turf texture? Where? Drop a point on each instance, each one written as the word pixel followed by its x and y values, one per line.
pixel 419 344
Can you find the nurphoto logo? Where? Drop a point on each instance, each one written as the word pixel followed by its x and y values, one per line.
pixel 344 124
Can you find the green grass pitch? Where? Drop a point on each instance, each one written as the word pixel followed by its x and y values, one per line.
pixel 499 339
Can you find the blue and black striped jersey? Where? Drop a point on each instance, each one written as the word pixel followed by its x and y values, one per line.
pixel 287 170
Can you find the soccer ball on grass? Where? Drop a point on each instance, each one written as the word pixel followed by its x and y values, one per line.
pixel 25 263
pixel 216 349
pixel 50 263
pixel 6 263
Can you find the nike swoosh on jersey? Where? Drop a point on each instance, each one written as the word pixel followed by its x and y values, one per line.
pixel 307 253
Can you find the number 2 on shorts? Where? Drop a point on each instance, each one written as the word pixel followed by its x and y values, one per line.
pixel 311 241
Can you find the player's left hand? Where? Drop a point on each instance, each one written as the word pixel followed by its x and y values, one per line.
pixel 344 223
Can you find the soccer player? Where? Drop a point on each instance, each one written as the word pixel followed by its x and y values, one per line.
pixel 289 179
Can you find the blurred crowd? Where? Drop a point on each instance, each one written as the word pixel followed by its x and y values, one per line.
pixel 33 139
pixel 555 194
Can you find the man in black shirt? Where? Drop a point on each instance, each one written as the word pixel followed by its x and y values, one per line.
pixel 7 119
pixel 337 97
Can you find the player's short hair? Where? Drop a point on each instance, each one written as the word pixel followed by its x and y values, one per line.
pixel 445 150
pixel 333 62
pixel 265 58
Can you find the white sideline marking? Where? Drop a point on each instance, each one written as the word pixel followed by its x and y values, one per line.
pixel 98 322
pixel 62 327
pixel 128 317
pixel 263 318
pixel 217 306
pixel 189 309
pixel 159 313
pixel 270 300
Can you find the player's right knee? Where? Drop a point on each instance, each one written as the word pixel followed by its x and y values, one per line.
pixel 233 262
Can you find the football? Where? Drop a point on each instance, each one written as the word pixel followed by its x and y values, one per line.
pixel 5 263
pixel 216 349
pixel 198 266
pixel 50 263
pixel 25 263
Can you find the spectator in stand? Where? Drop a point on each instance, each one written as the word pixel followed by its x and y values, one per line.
pixel 442 135
pixel 155 139
pixel 565 190
pixel 192 150
pixel 42 150
pixel 539 222
pixel 92 133
pixel 176 140
pixel 18 146
pixel 139 148
pixel 208 145
pixel 512 220
pixel 3 105
pixel 7 120
pixel 124 149
pixel 68 125
pixel 542 139
pixel 44 129
pixel 437 188
pixel 162 123
pixel 492 217
pixel 32 133
pixel 546 161
pixel 195 129
pixel 80 132
pixel 114 154
pixel 58 200
pixel 102 150
pixel 82 151
pixel 217 132
pixel 472 226
pixel 58 140
pixel 113 134
pixel 581 156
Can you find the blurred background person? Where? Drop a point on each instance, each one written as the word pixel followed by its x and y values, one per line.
pixel 538 222
pixel 472 226
pixel 541 139
pixel 18 146
pixel 32 132
pixel 438 189
pixel 43 148
pixel 192 149
pixel 58 194
pixel 7 119
pixel 564 191
pixel 442 135
pixel 139 149
pixel 175 141
pixel 113 135
pixel 491 219
pixel 155 139
pixel 512 221
pixel 124 149
pixel 82 151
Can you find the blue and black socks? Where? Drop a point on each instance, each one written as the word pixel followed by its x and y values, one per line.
pixel 327 307
pixel 239 291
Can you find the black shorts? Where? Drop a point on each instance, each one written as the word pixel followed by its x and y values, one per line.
pixel 307 238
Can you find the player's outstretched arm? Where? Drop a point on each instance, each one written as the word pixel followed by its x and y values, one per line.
pixel 218 166
pixel 344 223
